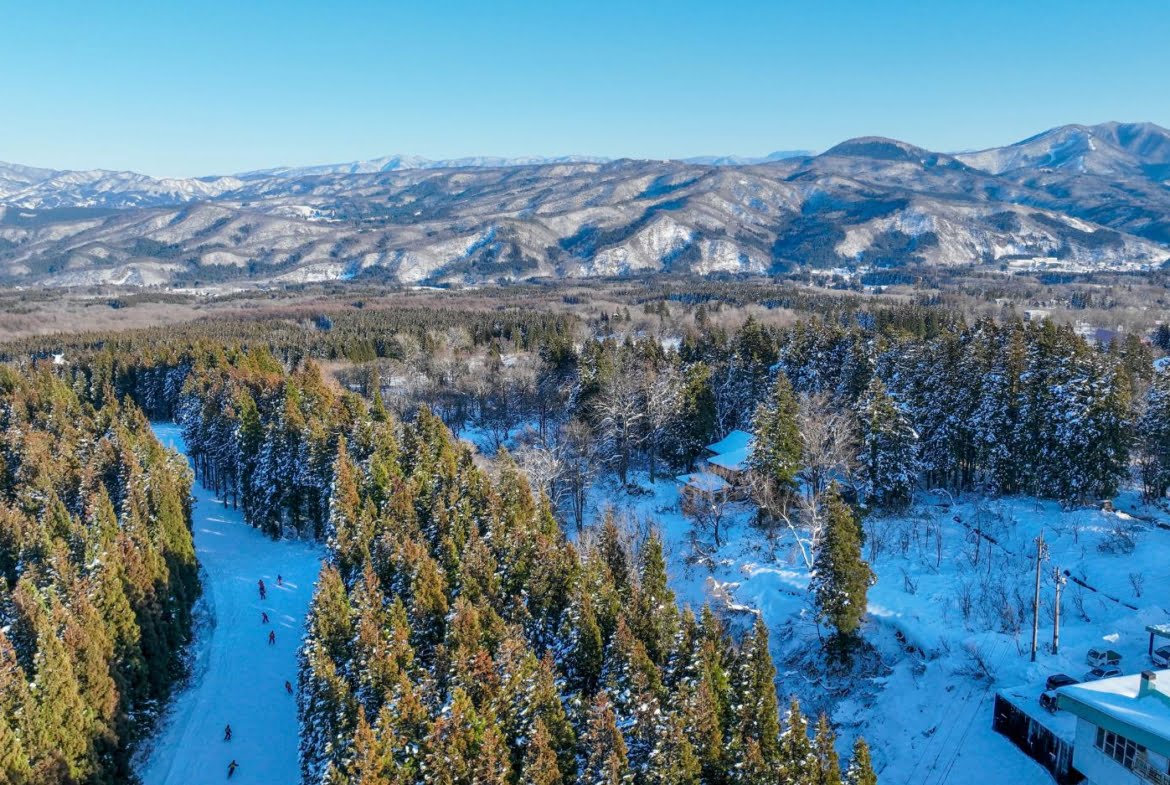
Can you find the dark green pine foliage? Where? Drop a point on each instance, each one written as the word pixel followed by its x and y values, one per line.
pixel 697 422
pixel 860 771
pixel 797 758
pixel 1153 435
pixel 889 449
pixel 777 447
pixel 755 732
pixel 841 578
pixel 827 763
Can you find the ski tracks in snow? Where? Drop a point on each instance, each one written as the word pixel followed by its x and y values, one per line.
pixel 239 677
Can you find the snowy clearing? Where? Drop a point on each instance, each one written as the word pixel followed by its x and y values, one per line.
pixel 949 630
pixel 237 677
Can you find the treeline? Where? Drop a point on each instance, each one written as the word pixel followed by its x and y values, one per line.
pixel 457 637
pixel 266 440
pixel 263 438
pixel 333 332
pixel 915 403
pixel 97 580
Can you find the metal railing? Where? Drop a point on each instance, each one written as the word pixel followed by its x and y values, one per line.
pixel 1144 769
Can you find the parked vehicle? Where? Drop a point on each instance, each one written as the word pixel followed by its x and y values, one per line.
pixel 1054 683
pixel 1103 672
pixel 1099 658
pixel 1161 656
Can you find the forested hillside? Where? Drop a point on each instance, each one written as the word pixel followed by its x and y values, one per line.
pixel 483 618
pixel 459 638
pixel 97 581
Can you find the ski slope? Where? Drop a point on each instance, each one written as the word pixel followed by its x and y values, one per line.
pixel 237 677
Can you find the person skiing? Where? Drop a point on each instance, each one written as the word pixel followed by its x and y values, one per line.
pixel 232 768
pixel 271 637
pixel 227 733
pixel 288 687
pixel 263 591
pixel 263 617
pixel 279 581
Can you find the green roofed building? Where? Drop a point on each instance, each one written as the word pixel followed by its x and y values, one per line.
pixel 1123 728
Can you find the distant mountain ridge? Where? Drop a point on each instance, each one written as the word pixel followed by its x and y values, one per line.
pixel 1076 197
pixel 394 163
pixel 1113 149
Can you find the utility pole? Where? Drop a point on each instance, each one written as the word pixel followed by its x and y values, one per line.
pixel 1040 556
pixel 1058 580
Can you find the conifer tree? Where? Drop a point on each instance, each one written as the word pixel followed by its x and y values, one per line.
pixel 757 726
pixel 655 615
pixel 612 547
pixel 465 748
pixel 14 760
pixel 672 760
pixel 841 578
pixel 586 647
pixel 860 771
pixel 777 445
pixel 828 764
pixel 59 731
pixel 889 455
pixel 371 763
pixel 797 760
pixel 605 749
pixel 1154 438
pixel 540 761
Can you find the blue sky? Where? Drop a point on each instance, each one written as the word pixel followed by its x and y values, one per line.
pixel 174 88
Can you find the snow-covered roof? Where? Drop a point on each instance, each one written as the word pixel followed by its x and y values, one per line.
pixel 704 481
pixel 736 460
pixel 732 442
pixel 1026 698
pixel 1123 706
pixel 1162 364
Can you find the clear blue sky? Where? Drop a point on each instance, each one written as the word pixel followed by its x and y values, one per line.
pixel 183 88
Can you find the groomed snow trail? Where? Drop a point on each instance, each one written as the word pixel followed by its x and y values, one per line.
pixel 238 677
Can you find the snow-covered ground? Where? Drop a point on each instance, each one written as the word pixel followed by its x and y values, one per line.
pixel 950 628
pixel 237 677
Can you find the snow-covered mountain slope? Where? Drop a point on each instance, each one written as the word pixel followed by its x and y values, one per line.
pixel 41 189
pixel 867 201
pixel 238 678
pixel 1109 149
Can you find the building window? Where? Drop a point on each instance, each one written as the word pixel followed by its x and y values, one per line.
pixel 1119 748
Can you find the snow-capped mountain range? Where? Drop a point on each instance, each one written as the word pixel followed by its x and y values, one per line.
pixel 1075 197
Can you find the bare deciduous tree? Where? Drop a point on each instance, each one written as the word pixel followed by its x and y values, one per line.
pixel 707 511
pixel 579 454
pixel 663 397
pixel 545 468
pixel 621 413
pixel 829 449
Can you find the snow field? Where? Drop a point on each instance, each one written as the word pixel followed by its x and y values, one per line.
pixel 949 630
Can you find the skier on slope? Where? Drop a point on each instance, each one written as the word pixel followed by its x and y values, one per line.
pixel 271 637
pixel 227 733
pixel 279 581
pixel 288 687
pixel 263 591
pixel 232 768
pixel 263 617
